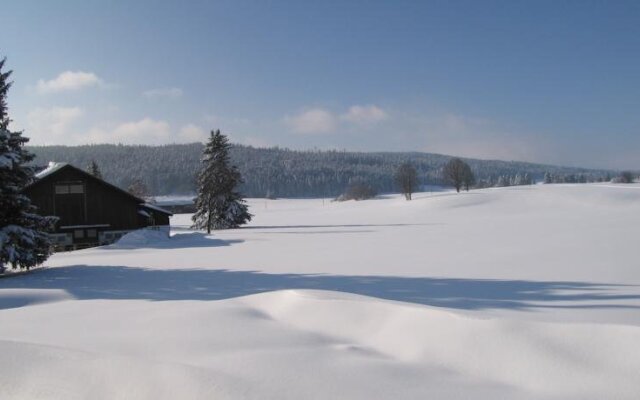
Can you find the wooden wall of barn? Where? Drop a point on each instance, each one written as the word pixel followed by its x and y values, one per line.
pixel 103 204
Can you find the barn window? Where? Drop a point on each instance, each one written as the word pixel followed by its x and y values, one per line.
pixel 78 234
pixel 62 189
pixel 69 188
pixel 91 233
pixel 76 189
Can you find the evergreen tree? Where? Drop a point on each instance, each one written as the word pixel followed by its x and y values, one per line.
pixel 218 204
pixel 24 241
pixel 94 170
pixel 4 88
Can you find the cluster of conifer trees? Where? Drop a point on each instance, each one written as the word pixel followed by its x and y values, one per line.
pixel 276 172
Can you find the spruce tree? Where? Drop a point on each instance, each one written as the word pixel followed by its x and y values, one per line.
pixel 218 205
pixel 4 88
pixel 94 170
pixel 24 241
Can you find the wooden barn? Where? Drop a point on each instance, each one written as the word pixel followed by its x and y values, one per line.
pixel 91 212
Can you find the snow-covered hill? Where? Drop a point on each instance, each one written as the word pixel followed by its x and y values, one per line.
pixel 518 293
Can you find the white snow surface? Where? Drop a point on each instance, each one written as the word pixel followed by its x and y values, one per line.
pixel 510 293
pixel 140 238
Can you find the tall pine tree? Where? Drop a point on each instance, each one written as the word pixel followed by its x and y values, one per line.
pixel 24 241
pixel 219 205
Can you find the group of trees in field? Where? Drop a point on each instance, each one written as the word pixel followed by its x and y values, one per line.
pixel 625 177
pixel 506 180
pixel 458 174
pixel 622 177
pixel 455 172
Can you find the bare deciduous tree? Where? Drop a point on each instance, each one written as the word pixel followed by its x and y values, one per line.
pixel 468 178
pixel 407 179
pixel 139 189
pixel 454 173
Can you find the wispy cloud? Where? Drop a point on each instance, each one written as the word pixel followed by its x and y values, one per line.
pixel 68 81
pixel 319 120
pixel 163 93
pixel 52 125
pixel 312 121
pixel 144 131
pixel 365 115
pixel 192 133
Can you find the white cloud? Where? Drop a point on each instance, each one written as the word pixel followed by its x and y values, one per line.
pixel 144 131
pixel 312 121
pixel 192 133
pixel 163 93
pixel 68 81
pixel 319 120
pixel 365 115
pixel 49 125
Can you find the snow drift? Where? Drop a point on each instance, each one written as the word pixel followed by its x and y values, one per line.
pixel 518 293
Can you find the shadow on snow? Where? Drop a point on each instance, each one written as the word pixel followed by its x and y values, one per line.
pixel 180 241
pixel 113 282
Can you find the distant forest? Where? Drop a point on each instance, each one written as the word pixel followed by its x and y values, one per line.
pixel 276 172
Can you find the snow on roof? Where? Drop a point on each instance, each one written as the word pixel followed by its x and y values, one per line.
pixel 51 168
pixel 156 208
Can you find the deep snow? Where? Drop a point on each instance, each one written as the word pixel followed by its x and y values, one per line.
pixel 523 292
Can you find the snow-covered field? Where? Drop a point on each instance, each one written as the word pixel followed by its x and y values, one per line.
pixel 513 293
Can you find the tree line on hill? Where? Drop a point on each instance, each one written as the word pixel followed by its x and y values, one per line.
pixel 277 172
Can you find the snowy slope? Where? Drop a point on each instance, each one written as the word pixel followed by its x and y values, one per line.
pixel 519 293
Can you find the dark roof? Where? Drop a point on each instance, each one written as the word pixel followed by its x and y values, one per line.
pixel 55 168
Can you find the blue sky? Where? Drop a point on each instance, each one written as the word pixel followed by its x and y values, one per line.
pixel 547 81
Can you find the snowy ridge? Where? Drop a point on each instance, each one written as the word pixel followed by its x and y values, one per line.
pixel 286 344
